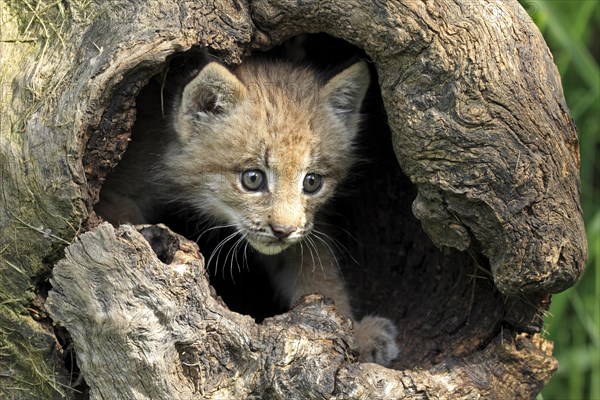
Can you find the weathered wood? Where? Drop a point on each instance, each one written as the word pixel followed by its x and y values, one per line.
pixel 145 329
pixel 479 127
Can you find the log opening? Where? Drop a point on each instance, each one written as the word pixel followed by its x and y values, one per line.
pixel 443 301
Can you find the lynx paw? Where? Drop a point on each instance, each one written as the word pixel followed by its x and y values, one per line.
pixel 376 337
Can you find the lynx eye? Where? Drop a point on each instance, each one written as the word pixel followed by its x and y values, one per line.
pixel 312 183
pixel 253 179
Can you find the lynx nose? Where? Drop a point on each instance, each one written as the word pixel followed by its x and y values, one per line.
pixel 282 231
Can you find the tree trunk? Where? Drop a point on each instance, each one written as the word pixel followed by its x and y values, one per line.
pixel 478 141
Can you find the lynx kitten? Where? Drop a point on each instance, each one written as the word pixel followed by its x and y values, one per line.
pixel 261 150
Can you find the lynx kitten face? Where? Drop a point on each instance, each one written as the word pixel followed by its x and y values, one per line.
pixel 262 149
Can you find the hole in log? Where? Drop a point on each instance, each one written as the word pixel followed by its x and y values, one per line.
pixel 164 245
pixel 443 301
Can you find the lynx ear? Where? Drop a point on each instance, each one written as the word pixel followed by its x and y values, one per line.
pixel 214 91
pixel 345 92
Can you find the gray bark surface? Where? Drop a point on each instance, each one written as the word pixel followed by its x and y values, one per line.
pixel 146 329
pixel 489 165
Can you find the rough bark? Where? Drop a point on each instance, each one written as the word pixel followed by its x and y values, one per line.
pixel 148 329
pixel 487 150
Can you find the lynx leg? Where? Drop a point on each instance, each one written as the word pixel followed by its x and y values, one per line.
pixel 301 272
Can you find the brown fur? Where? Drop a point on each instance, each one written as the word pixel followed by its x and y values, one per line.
pixel 273 118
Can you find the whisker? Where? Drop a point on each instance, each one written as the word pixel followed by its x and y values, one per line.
pixel 301 261
pixel 245 260
pixel 312 243
pixel 233 251
pixel 311 254
pixel 339 245
pixel 218 250
pixel 234 257
pixel 330 250
pixel 345 231
pixel 212 230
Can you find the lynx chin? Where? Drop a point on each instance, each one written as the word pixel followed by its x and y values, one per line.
pixel 259 149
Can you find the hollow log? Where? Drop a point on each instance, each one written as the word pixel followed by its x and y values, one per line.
pixel 464 222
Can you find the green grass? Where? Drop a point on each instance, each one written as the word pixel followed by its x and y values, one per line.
pixel 572 30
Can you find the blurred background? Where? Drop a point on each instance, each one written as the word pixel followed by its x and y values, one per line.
pixel 572 30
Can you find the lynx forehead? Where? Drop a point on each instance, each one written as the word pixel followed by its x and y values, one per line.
pixel 263 148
